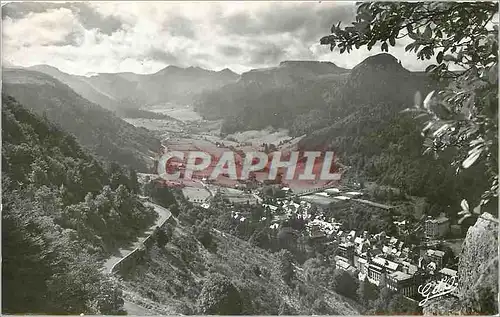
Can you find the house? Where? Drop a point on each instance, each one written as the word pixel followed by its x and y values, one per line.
pixel 361 262
pixel 358 241
pixel 447 273
pixel 342 263
pixel 408 268
pixel 332 190
pixel 354 194
pixel 379 266
pixel 375 273
pixel 402 283
pixel 435 256
pixel 316 231
pixel 286 189
pixel 342 198
pixel 436 228
pixel 363 267
pixel 323 194
pixel 271 207
pixel 346 250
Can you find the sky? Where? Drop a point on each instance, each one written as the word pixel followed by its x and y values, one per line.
pixel 143 37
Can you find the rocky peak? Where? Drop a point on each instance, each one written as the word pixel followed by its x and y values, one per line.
pixel 317 67
pixel 380 62
pixel 228 73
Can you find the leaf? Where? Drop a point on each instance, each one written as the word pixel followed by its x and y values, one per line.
pixel 439 131
pixel 409 27
pixel 471 159
pixel 421 115
pixel 385 47
pixel 493 74
pixel 417 99
pixel 439 57
pixel 449 58
pixel 463 218
pixel 477 209
pixel 430 68
pixel 409 47
pixel 427 99
pixel 428 126
pixel 427 33
pixel 392 41
pixel 464 205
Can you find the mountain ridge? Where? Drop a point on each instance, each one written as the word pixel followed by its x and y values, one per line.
pixel 95 127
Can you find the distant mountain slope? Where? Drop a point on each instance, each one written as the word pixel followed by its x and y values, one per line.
pixel 119 91
pixel 272 96
pixel 291 72
pixel 182 84
pixel 80 85
pixel 98 129
pixel 122 87
pixel 171 84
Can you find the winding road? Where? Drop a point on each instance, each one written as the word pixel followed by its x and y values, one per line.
pixel 163 215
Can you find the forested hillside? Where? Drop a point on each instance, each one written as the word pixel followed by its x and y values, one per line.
pixel 63 211
pixel 284 96
pixel 380 143
pixel 96 128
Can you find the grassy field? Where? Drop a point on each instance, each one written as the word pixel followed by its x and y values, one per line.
pixel 258 137
pixel 237 196
pixel 195 194
pixel 184 113
pixel 157 125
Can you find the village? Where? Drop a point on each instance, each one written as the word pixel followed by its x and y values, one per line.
pixel 382 259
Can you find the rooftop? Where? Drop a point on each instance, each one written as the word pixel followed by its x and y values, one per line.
pixel 354 193
pixel 332 190
pixel 346 244
pixel 438 253
pixel 385 263
pixel 448 272
pixel 400 276
pixel 322 194
pixel 439 220
pixel 342 197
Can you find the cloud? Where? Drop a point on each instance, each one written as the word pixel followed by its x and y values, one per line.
pixel 87 16
pixel 230 50
pixel 162 56
pixel 178 25
pixel 267 53
pixel 144 37
pixel 57 27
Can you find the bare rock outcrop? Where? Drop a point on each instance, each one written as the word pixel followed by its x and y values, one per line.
pixel 478 268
